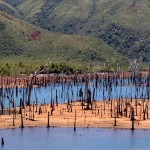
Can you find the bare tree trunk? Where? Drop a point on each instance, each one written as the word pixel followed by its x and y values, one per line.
pixel 136 107
pixel 75 122
pixel 32 79
pixel 132 117
pixel 30 90
pixel 33 110
pixel 22 126
pixel 111 108
pixel 13 116
pixel 147 110
pixel 144 110
pixel 101 111
pixel 48 120
pixel 115 116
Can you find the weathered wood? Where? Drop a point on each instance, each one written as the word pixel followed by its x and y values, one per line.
pixel 75 122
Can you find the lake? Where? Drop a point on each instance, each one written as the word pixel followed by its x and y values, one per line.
pixel 82 139
pixel 69 91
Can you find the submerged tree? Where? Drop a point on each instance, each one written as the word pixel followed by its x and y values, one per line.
pixel 88 100
pixel 36 73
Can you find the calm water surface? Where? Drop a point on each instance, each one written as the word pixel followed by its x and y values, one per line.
pixel 45 94
pixel 82 139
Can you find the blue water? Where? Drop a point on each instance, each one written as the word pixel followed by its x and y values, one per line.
pixel 82 139
pixel 71 92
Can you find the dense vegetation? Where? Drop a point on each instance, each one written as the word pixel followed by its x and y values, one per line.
pixel 125 25
pixel 23 42
pixel 86 32
pixel 24 68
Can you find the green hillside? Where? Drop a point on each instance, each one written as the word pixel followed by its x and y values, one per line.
pixel 123 24
pixel 23 41
pixel 9 9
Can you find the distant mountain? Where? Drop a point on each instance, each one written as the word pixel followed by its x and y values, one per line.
pixel 19 39
pixel 122 24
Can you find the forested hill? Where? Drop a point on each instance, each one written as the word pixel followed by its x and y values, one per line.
pixel 19 39
pixel 122 24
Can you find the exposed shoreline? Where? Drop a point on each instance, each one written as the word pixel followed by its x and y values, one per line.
pixel 84 119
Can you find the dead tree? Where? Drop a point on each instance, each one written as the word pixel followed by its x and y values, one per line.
pixel 13 114
pixel 33 111
pixel 48 118
pixel 75 122
pixel 132 117
pixel 9 94
pixel 144 110
pixel 88 100
pixel 20 112
pixel 36 73
pixel 135 66
pixel 101 111
pixel 81 97
pixel 115 111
